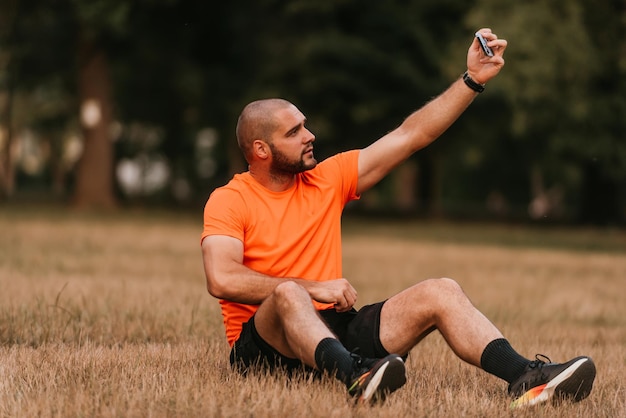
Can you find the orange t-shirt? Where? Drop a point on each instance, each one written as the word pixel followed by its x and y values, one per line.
pixel 295 233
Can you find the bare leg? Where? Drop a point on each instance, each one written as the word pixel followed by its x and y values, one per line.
pixel 439 304
pixel 288 321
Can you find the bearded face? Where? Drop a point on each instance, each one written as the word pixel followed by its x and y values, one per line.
pixel 284 164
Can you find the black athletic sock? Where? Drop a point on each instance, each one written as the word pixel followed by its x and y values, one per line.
pixel 500 359
pixel 332 356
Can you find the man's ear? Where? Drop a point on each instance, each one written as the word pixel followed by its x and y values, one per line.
pixel 261 149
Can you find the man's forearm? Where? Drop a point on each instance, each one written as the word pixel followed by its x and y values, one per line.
pixel 243 286
pixel 250 287
pixel 434 118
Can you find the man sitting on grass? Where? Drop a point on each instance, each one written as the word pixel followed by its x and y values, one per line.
pixel 271 246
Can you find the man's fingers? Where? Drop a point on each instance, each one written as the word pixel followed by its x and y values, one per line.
pixel 345 302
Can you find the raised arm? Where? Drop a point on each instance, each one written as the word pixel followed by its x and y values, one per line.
pixel 428 123
pixel 228 278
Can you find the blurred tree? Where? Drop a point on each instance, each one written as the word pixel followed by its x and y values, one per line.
pixel 98 22
pixel 566 92
pixel 47 40
pixel 599 140
pixel 185 69
pixel 36 88
pixel 8 24
pixel 181 70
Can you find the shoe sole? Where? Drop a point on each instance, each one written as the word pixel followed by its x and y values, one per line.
pixel 573 383
pixel 388 378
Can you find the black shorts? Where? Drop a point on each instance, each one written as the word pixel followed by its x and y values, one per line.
pixel 357 330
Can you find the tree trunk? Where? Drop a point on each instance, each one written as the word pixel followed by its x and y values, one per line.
pixel 94 177
pixel 7 170
pixel 7 167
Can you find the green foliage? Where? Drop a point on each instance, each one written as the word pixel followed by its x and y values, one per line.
pixel 549 64
pixel 102 17
pixel 563 85
pixel 356 68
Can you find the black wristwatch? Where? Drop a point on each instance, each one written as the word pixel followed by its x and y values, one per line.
pixel 478 88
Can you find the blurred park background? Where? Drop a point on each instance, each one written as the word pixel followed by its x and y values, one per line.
pixel 111 103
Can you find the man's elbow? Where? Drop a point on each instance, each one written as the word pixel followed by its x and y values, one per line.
pixel 215 289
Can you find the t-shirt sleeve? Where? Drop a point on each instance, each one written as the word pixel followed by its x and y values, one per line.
pixel 223 214
pixel 348 170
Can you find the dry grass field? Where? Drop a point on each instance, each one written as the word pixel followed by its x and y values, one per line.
pixel 108 316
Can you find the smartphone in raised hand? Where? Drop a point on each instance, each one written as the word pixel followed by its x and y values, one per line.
pixel 483 44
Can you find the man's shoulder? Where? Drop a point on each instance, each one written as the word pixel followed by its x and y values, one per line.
pixel 235 187
pixel 337 165
pixel 340 159
pixel 237 182
pixel 344 155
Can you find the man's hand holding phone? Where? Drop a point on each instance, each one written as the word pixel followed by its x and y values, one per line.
pixel 483 44
pixel 484 57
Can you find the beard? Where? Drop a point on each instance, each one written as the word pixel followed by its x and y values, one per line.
pixel 283 165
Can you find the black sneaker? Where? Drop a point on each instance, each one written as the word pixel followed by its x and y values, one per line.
pixel 375 379
pixel 543 380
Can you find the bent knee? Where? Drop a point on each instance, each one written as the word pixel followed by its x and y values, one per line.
pixel 289 290
pixel 449 283
pixel 290 295
pixel 443 285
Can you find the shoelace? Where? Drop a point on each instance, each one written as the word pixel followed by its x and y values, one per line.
pixel 361 366
pixel 359 371
pixel 538 362
pixel 357 360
